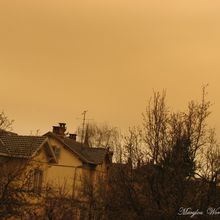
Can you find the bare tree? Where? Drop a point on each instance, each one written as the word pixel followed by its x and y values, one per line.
pixel 104 136
pixel 173 143
pixel 155 122
pixel 133 146
pixel 162 128
pixel 209 158
pixel 208 168
pixel 195 122
pixel 59 204
pixel 5 123
pixel 94 198
pixel 16 188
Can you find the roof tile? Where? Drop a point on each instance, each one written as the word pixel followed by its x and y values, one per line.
pixel 20 146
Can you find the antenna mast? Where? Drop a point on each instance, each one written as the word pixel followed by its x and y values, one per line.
pixel 83 125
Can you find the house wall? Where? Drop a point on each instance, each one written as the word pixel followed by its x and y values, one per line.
pixel 69 173
pixel 62 174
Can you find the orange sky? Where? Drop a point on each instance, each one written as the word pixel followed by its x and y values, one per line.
pixel 59 58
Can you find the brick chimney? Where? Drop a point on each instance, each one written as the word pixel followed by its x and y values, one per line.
pixel 60 130
pixel 72 136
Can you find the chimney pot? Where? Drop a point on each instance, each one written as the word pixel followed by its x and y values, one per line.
pixel 62 125
pixel 60 130
pixel 73 136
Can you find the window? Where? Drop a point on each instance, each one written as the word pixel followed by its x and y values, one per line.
pixel 37 180
pixel 56 151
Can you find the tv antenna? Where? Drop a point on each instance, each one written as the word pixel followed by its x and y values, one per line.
pixel 84 119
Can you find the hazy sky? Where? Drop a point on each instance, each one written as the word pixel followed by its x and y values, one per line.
pixel 59 58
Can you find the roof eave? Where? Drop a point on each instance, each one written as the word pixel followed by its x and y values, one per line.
pixel 15 156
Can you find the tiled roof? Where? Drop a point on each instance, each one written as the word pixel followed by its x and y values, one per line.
pixel 93 155
pixel 25 146
pixel 20 146
pixel 96 155
pixel 86 154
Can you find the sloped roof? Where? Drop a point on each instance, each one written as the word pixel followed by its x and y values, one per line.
pixel 85 153
pixel 24 146
pixel 20 146
pixel 96 155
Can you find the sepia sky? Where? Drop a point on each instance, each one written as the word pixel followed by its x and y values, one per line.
pixel 59 58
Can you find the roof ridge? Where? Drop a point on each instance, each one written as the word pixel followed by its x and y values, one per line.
pixel 27 135
pixel 21 135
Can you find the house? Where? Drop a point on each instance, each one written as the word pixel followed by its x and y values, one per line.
pixel 55 160
pixel 74 161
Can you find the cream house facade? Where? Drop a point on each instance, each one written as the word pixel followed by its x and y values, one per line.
pixel 74 162
pixel 56 160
